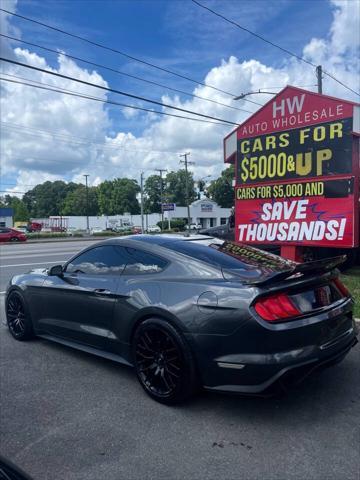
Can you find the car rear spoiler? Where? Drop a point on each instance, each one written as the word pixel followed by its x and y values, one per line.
pixel 306 268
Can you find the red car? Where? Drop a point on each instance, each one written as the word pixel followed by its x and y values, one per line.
pixel 11 235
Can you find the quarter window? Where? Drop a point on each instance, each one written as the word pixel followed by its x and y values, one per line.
pixel 140 262
pixel 104 260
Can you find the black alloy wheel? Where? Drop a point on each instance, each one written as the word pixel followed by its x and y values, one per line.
pixel 18 319
pixel 163 362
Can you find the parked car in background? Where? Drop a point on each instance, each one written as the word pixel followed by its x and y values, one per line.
pixel 153 229
pixel 22 229
pixel 194 226
pixel 11 235
pixel 123 228
pixel 96 230
pixel 136 230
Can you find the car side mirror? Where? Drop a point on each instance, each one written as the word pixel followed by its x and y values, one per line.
pixel 56 271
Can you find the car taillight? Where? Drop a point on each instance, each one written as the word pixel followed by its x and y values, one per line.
pixel 276 308
pixel 341 287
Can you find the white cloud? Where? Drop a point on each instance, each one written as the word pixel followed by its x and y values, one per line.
pixel 125 154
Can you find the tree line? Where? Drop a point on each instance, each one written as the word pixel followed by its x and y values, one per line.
pixel 118 196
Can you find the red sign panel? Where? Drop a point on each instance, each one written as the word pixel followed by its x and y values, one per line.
pixel 311 213
pixel 294 108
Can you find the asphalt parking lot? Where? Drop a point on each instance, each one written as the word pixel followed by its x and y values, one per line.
pixel 68 415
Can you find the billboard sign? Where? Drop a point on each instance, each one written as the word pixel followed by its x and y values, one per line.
pixel 299 213
pixel 297 172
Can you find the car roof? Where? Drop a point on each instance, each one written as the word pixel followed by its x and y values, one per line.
pixel 164 238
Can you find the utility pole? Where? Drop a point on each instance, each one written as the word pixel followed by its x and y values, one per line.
pixel 87 203
pixel 142 200
pixel 161 170
pixel 186 163
pixel 319 78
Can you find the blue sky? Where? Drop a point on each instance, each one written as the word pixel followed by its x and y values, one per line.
pixel 177 35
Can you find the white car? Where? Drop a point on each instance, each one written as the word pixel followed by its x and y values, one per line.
pixel 194 226
pixel 96 230
pixel 154 229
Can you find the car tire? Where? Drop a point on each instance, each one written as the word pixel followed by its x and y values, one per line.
pixel 18 317
pixel 163 362
pixel 14 239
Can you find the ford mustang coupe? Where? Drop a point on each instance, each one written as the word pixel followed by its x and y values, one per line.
pixel 189 314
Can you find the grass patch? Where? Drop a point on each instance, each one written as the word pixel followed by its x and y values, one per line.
pixel 351 279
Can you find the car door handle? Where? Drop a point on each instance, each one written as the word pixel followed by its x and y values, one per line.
pixel 102 291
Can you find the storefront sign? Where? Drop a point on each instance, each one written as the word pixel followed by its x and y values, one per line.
pixel 206 207
pixel 297 172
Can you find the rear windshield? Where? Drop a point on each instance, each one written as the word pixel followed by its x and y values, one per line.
pixel 231 256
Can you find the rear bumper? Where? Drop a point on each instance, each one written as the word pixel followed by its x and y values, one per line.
pixel 260 373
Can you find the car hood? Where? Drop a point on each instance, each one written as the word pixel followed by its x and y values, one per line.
pixel 38 271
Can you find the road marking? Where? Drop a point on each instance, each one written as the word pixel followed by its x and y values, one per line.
pixel 28 264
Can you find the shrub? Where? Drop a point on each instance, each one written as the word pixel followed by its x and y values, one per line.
pixel 174 223
pixel 46 235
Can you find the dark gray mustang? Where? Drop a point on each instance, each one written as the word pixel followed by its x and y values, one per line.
pixel 185 314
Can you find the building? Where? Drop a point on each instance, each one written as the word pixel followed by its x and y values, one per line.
pixel 205 212
pixel 6 217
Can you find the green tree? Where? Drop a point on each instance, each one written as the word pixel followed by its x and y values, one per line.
pixel 118 196
pixel 176 187
pixel 221 189
pixel 152 189
pixel 47 198
pixel 75 202
pixel 21 213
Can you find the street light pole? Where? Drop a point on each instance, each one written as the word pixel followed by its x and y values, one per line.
pixel 161 170
pixel 319 78
pixel 87 203
pixel 142 200
pixel 186 163
pixel 243 95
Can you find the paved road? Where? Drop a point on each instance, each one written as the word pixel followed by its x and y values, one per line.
pixel 67 415
pixel 20 258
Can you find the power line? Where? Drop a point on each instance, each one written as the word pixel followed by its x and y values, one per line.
pixel 111 102
pixel 260 37
pixel 96 163
pixel 124 73
pixel 23 184
pixel 113 90
pixel 114 50
pixel 86 141
pixel 79 140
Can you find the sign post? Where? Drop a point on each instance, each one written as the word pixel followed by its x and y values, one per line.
pixel 297 173
pixel 168 207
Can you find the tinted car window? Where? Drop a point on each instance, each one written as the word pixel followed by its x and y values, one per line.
pixel 104 260
pixel 231 256
pixel 140 262
pixel 4 230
